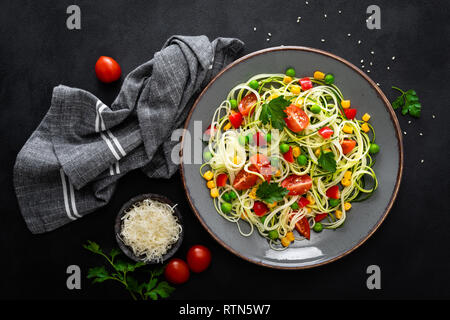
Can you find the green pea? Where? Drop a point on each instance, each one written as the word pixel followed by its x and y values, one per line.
pixel 290 72
pixel 273 234
pixel 269 137
pixel 254 84
pixel 243 140
pixel 302 160
pixel 284 148
pixel 374 148
pixel 232 195
pixel 207 155
pixel 315 109
pixel 226 197
pixel 262 219
pixel 334 202
pixel 318 227
pixel 233 103
pixel 329 78
pixel 226 207
pixel 294 206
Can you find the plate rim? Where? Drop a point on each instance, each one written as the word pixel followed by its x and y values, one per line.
pixel 388 107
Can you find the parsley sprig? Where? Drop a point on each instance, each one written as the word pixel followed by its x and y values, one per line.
pixel 327 162
pixel 273 112
pixel 408 101
pixel 271 192
pixel 152 289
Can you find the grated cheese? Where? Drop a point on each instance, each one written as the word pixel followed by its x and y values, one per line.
pixel 150 228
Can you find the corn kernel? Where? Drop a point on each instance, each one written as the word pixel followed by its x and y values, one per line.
pixel 345 182
pixel 287 79
pixel 319 75
pixel 271 205
pixel 338 214
pixel 347 206
pixel 295 89
pixel 365 127
pixel 345 104
pixel 317 152
pixel 309 210
pixel 278 173
pixel 243 216
pixel 273 96
pixel 290 236
pixel 299 102
pixel 296 152
pixel 227 126
pixel 327 150
pixel 347 174
pixel 210 184
pixel 236 160
pixel 311 200
pixel 208 175
pixel 252 193
pixel 285 242
pixel 214 192
pixel 347 129
pixel 366 117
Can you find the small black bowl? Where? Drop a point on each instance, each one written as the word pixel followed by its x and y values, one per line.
pixel 118 227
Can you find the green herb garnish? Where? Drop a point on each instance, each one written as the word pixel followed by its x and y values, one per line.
pixel 408 101
pixel 327 162
pixel 271 192
pixel 153 289
pixel 273 112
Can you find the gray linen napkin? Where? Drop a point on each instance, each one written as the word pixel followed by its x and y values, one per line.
pixel 71 163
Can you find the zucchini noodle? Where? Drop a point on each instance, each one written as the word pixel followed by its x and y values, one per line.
pixel 230 150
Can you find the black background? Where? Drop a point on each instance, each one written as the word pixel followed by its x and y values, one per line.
pixel 38 52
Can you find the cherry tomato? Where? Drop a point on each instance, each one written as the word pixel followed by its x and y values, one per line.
pixel 302 202
pixel 297 185
pixel 326 132
pixel 297 119
pixel 247 103
pixel 198 258
pixel 259 139
pixel 177 271
pixel 263 165
pixel 221 180
pixel 333 192
pixel 350 113
pixel 245 180
pixel 347 145
pixel 260 208
pixel 235 119
pixel 302 227
pixel 320 216
pixel 305 83
pixel 107 69
pixel 289 156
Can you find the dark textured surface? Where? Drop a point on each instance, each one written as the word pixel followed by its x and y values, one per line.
pixel 38 52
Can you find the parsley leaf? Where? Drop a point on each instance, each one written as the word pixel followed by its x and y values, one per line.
pixel 408 101
pixel 273 112
pixel 327 162
pixel 271 192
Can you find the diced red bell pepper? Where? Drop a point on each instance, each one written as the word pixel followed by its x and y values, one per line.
pixel 350 113
pixel 305 83
pixel 333 192
pixel 288 156
pixel 347 145
pixel 302 202
pixel 259 139
pixel 260 208
pixel 235 119
pixel 320 216
pixel 209 131
pixel 326 132
pixel 221 180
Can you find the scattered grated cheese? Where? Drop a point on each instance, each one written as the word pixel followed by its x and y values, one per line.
pixel 150 228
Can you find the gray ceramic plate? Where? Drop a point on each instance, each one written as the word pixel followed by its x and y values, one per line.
pixel 364 218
